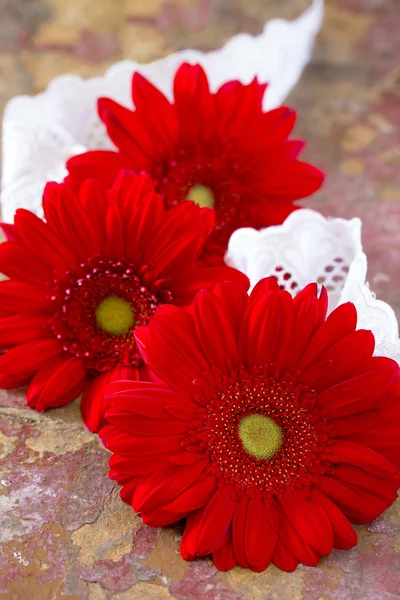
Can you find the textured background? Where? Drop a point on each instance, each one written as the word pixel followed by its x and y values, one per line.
pixel 64 533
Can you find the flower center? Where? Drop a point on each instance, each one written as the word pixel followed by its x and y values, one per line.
pixel 260 429
pixel 214 176
pixel 114 315
pixel 201 195
pixel 261 436
pixel 97 306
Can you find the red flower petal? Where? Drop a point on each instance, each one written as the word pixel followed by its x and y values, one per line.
pixel 361 456
pixel 239 107
pixel 195 497
pixel 263 288
pixel 359 393
pixel 283 558
pixel 28 358
pixel 205 278
pixel 146 220
pixel 299 548
pixel 385 488
pixel 14 295
pixel 185 359
pixel 96 253
pixel 346 358
pixel 310 521
pixel 175 247
pixel 224 558
pixel 383 438
pixel 309 315
pixel 40 240
pixel 344 536
pixel 92 217
pixel 251 495
pixel 160 517
pixel 102 165
pixel 121 124
pixel 290 179
pixel 20 329
pixel 358 506
pixel 123 469
pixel 9 231
pixel 17 263
pixel 147 399
pixel 340 323
pixel 266 330
pixel 76 219
pixel 126 493
pixel 160 489
pixel 234 301
pixel 278 124
pixel 156 113
pixel 9 382
pixel 192 97
pixel 94 403
pixel 127 445
pixel 208 316
pixel 56 384
pixel 210 527
pixel 223 141
pixel 239 531
pixel 261 537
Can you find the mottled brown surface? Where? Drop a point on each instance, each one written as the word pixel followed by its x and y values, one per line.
pixel 64 532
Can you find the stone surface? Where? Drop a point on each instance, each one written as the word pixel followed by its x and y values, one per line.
pixel 64 533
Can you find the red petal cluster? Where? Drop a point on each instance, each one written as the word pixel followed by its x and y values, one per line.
pixel 179 452
pixel 266 425
pixel 92 246
pixel 223 141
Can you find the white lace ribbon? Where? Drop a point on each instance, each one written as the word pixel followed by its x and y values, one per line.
pixel 308 247
pixel 41 132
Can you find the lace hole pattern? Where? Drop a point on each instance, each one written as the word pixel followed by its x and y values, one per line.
pixel 333 276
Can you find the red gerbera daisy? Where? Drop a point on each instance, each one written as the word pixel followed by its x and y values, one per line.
pixel 81 281
pixel 270 427
pixel 218 149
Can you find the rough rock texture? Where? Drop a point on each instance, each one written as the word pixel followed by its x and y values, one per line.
pixel 64 533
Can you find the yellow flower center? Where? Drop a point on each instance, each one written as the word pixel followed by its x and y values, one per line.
pixel 201 195
pixel 261 436
pixel 114 315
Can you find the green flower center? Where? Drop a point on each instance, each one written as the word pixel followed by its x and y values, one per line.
pixel 261 436
pixel 201 195
pixel 114 315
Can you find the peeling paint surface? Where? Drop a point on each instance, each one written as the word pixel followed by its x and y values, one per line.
pixel 64 532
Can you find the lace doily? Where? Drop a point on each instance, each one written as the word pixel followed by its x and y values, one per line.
pixel 40 133
pixel 309 247
pixel 373 314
